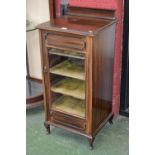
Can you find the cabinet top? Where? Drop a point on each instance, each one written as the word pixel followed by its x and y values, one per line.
pixel 77 25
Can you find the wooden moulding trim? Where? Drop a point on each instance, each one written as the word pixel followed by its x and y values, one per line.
pixel 69 129
pixel 56 29
pixel 65 48
pixel 34 79
pixel 69 125
pixel 63 112
pixel 91 12
pixel 102 124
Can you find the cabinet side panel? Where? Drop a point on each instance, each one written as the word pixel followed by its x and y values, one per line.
pixel 103 60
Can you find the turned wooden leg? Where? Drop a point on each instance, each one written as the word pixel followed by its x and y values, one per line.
pixel 91 140
pixel 111 119
pixel 47 126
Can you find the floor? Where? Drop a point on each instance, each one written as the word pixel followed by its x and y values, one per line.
pixel 111 140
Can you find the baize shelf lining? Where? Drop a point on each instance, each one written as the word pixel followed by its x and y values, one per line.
pixel 70 105
pixel 69 69
pixel 71 87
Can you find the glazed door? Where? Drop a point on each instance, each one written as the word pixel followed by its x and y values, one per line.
pixel 65 75
pixel 67 79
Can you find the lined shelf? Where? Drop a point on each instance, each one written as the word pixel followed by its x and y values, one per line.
pixel 71 87
pixel 69 69
pixel 66 53
pixel 70 105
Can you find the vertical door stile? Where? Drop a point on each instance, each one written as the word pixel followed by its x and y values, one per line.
pixel 41 40
pixel 45 75
pixel 48 83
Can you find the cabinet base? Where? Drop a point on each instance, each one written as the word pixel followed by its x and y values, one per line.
pixel 90 138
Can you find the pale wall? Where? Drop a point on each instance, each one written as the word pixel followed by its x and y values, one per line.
pixel 37 11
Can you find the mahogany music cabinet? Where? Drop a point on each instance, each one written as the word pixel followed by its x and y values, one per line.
pixel 77 52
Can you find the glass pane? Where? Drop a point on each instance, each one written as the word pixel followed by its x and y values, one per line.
pixel 67 75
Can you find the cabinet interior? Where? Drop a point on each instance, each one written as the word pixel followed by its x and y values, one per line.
pixel 67 78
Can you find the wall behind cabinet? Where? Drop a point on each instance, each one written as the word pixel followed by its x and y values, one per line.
pixel 37 11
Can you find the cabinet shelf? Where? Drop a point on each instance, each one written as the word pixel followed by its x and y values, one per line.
pixel 71 87
pixel 67 53
pixel 69 69
pixel 70 105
